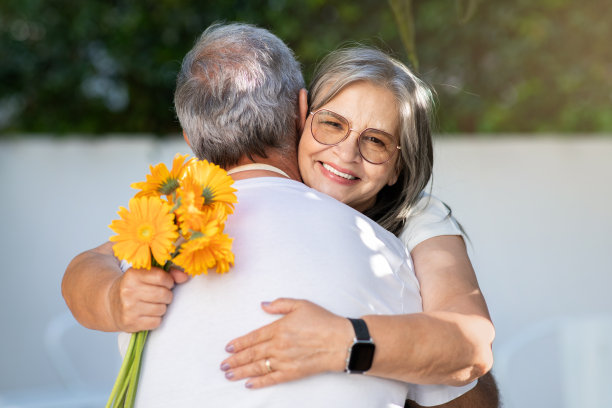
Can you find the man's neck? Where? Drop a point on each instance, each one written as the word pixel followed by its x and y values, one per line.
pixel 284 162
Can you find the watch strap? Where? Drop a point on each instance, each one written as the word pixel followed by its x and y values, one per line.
pixel 361 329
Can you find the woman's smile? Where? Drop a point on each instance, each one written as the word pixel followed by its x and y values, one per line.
pixel 337 174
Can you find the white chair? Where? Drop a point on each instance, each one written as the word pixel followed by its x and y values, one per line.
pixel 60 337
pixel 564 362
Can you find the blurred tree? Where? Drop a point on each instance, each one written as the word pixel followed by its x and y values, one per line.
pixel 404 18
pixel 100 66
pixel 519 66
pixel 110 66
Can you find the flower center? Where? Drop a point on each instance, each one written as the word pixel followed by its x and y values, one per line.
pixel 168 186
pixel 209 195
pixel 145 232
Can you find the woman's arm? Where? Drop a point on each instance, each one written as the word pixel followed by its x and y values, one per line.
pixel 102 297
pixel 448 343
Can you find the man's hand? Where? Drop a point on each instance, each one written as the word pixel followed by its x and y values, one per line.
pixel 102 297
pixel 307 340
pixel 139 298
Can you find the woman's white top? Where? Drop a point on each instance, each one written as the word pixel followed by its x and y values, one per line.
pixel 429 218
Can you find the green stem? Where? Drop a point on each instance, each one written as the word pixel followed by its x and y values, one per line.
pixel 125 367
pixel 120 398
pixel 134 375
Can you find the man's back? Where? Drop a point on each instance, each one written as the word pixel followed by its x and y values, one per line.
pixel 289 241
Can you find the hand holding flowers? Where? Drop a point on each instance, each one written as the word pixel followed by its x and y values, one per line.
pixel 177 219
pixel 138 299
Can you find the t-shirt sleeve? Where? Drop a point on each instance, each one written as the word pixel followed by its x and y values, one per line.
pixel 431 394
pixel 125 265
pixel 429 218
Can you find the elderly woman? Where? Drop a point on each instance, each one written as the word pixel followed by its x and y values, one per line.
pixel 367 143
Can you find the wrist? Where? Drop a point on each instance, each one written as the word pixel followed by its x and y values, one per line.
pixel 344 338
pixel 112 302
pixel 360 354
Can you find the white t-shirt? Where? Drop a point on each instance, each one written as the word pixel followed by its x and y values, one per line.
pixel 430 218
pixel 350 266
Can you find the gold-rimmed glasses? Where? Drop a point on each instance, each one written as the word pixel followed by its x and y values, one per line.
pixel 330 128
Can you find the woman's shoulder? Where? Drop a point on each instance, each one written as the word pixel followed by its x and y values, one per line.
pixel 429 205
pixel 428 218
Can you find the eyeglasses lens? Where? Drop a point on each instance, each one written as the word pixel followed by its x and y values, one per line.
pixel 376 146
pixel 329 128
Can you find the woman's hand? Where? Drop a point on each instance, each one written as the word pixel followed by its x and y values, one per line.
pixel 307 340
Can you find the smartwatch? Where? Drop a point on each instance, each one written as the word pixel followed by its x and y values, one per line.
pixel 361 352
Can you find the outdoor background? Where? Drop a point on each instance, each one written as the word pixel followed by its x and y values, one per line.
pixel 523 156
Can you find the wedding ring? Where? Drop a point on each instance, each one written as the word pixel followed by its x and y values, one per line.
pixel 268 366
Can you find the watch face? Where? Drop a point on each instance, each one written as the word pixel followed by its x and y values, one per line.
pixel 362 354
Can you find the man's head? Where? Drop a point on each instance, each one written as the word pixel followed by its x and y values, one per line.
pixel 237 94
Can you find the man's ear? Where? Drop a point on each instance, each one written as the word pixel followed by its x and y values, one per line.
pixel 186 138
pixel 302 110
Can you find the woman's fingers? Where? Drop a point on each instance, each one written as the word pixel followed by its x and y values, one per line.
pixel 281 305
pixel 307 340
pixel 276 377
pixel 251 339
pixel 265 333
pixel 263 373
pixel 251 366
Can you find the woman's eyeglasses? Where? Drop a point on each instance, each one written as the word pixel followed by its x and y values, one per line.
pixel 375 146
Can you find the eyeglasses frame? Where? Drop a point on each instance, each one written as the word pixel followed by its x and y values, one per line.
pixel 350 129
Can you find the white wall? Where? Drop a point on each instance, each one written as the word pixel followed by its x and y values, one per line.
pixel 537 211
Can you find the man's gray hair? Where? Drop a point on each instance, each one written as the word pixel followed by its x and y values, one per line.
pixel 415 101
pixel 237 94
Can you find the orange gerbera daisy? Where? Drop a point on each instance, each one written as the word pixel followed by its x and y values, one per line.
pixel 215 182
pixel 161 181
pixel 189 205
pixel 204 252
pixel 146 230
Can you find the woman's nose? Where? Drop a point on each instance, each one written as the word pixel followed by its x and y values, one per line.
pixel 348 149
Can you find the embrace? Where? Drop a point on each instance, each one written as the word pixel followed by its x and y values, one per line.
pixel 351 286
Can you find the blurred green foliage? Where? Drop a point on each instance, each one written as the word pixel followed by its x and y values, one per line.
pixel 109 66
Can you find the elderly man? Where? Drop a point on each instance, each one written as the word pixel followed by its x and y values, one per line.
pixel 241 103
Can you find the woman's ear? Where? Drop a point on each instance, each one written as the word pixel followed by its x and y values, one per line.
pixel 186 138
pixel 302 110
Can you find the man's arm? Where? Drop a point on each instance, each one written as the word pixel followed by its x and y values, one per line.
pixel 484 395
pixel 101 297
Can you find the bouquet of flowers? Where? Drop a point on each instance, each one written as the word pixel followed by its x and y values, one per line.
pixel 177 219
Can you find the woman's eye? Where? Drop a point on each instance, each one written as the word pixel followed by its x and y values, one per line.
pixel 374 141
pixel 332 124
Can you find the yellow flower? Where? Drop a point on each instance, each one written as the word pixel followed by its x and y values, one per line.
pixel 215 182
pixel 203 252
pixel 189 206
pixel 146 230
pixel 219 211
pixel 161 181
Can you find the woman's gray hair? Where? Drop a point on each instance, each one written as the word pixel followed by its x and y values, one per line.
pixel 237 94
pixel 415 103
